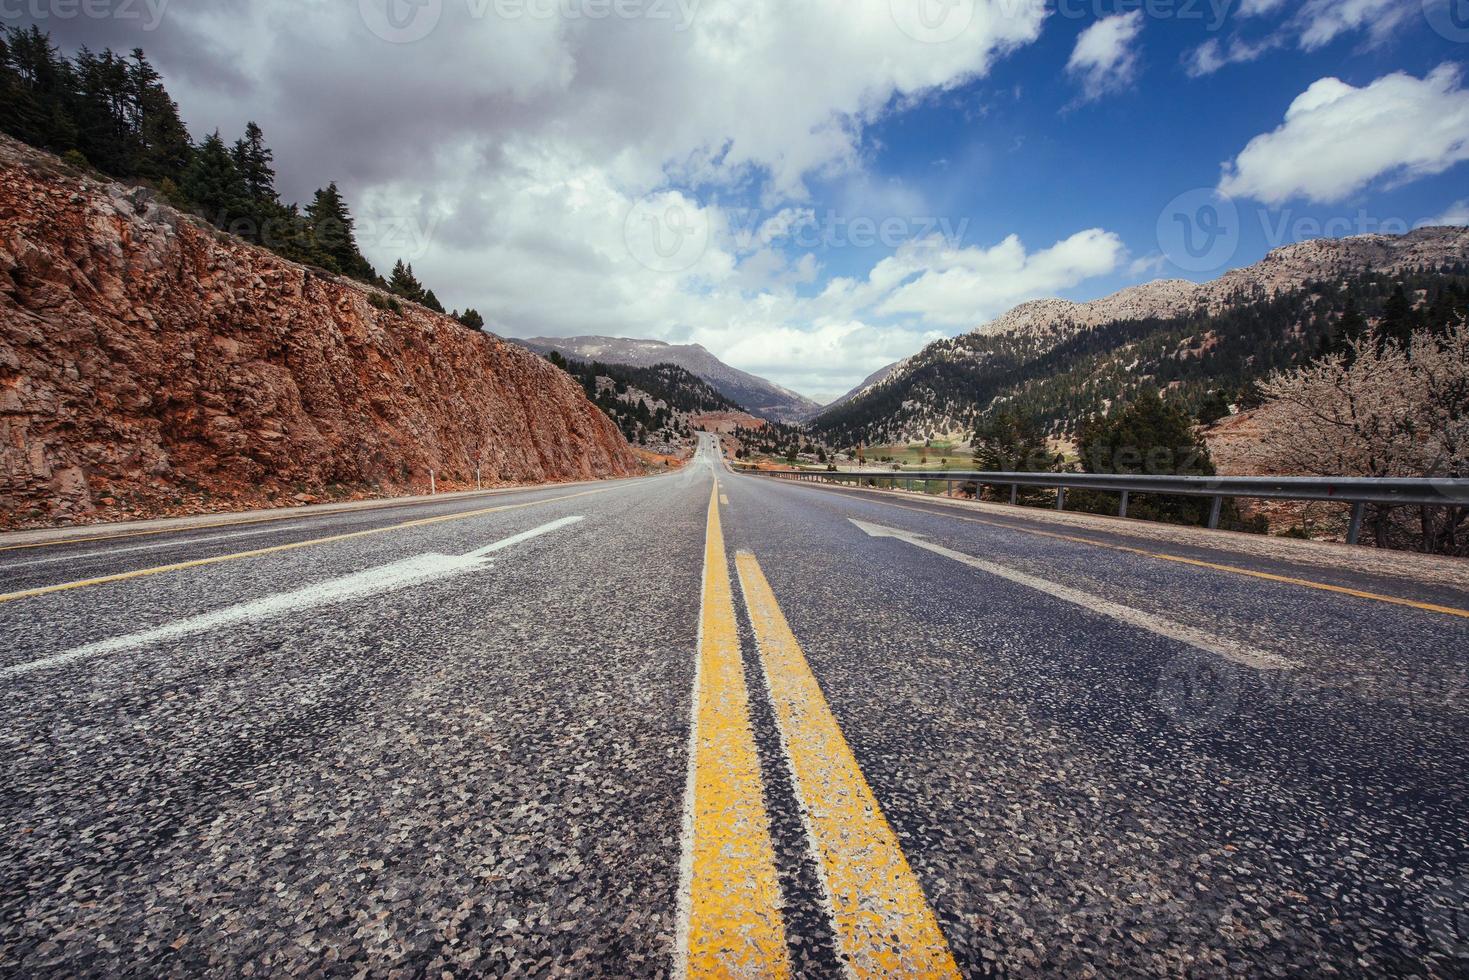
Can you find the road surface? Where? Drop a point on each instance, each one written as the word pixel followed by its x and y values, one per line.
pixel 707 723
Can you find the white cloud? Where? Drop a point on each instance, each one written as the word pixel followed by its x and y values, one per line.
pixel 1214 54
pixel 542 132
pixel 1457 214
pixel 959 287
pixel 1105 57
pixel 1323 21
pixel 1337 139
pixel 1257 8
pixel 1314 25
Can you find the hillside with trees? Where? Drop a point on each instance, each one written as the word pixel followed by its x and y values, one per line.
pixel 112 114
pixel 651 405
pixel 1206 360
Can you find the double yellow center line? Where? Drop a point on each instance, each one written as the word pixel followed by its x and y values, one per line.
pixel 730 919
pixel 730 922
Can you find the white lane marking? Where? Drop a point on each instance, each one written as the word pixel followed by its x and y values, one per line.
pixel 374 581
pixel 523 537
pixel 1234 652
pixel 159 546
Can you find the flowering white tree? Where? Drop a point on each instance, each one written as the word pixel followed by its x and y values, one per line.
pixel 1382 410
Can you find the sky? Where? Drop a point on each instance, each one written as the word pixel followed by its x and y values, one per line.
pixel 813 189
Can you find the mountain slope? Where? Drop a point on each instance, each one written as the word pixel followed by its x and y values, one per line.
pixel 871 381
pixel 652 406
pixel 755 394
pixel 1061 361
pixel 149 363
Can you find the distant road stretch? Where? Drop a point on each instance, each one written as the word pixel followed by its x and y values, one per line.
pixel 708 724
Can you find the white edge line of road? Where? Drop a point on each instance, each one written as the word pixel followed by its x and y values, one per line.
pixel 155 546
pixel 684 906
pixel 1239 653
pixel 373 581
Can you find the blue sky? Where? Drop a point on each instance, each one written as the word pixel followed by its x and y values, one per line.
pixel 1017 152
pixel 815 188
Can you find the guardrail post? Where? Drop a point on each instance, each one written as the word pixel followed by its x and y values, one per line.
pixel 1354 533
pixel 1014 494
pixel 1060 498
pixel 1214 510
pixel 948 488
pixel 1122 511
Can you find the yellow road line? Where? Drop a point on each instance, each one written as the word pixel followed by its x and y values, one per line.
pixel 1213 566
pixel 386 504
pixel 125 535
pixel 882 921
pixel 730 923
pixel 274 549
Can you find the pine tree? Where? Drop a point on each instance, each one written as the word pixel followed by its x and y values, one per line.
pixel 334 237
pixel 213 186
pixel 254 161
pixel 33 79
pixel 103 112
pixel 1149 436
pixel 162 145
pixel 432 301
pixel 471 319
pixel 1399 319
pixel 402 282
pixel 1349 328
pixel 1006 443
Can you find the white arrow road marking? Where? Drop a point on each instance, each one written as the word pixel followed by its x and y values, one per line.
pixel 1235 652
pixel 374 581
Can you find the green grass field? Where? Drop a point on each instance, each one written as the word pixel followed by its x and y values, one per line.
pixel 939 456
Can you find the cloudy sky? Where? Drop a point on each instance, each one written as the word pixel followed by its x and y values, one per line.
pixel 815 188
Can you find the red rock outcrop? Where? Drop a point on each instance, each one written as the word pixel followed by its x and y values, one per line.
pixel 149 364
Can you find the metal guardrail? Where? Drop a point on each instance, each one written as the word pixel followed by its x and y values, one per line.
pixel 1359 492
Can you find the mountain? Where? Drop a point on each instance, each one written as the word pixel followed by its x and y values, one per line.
pixel 653 406
pixel 1061 362
pixel 151 364
pixel 754 394
pixel 871 381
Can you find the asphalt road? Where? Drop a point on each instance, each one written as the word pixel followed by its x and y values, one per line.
pixel 706 724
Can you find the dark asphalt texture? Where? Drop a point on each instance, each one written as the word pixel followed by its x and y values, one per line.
pixel 484 773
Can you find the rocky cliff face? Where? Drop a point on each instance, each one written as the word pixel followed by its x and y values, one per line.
pixel 151 365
